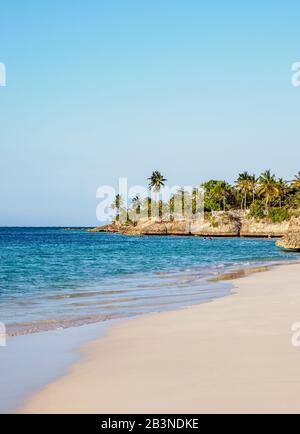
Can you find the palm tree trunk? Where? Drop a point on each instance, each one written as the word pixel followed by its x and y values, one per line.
pixel 160 207
pixel 267 204
pixel 149 207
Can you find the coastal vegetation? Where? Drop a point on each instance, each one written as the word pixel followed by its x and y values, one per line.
pixel 117 203
pixel 263 197
pixel 156 182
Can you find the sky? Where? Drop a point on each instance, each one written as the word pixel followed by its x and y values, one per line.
pixel 97 90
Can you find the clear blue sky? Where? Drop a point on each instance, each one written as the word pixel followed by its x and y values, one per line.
pixel 102 89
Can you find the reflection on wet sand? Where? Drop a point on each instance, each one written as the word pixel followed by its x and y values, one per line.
pixel 237 274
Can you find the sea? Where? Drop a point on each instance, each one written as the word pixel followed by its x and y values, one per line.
pixel 62 288
pixel 52 278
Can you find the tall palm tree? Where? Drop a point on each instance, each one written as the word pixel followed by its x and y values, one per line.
pixel 221 192
pixel 267 187
pixel 117 203
pixel 156 182
pixel 172 207
pixel 181 191
pixel 296 182
pixel 253 186
pixel 283 189
pixel 136 202
pixel 244 184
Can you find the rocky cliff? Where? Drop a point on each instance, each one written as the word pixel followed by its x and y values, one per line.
pixel 219 224
pixel 291 241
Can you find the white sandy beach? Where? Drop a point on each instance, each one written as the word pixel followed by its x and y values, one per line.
pixel 231 355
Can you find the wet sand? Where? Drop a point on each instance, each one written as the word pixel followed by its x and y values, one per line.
pixel 232 355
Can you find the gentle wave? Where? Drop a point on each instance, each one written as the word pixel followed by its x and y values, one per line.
pixel 50 278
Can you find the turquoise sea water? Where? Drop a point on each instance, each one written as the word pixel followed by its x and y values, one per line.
pixel 51 278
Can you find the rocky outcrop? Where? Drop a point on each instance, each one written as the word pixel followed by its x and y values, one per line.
pixel 218 224
pixel 154 227
pixel 294 225
pixel 291 241
pixel 221 224
pixel 251 227
pixel 179 228
pixel 105 228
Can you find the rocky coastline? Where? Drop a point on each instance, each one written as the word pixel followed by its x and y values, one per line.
pixel 219 224
pixel 290 241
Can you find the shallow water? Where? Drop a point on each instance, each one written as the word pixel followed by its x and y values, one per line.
pixel 51 278
pixel 30 362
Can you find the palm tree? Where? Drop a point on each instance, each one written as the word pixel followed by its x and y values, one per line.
pixel 267 187
pixel 296 182
pixel 283 189
pixel 221 192
pixel 136 202
pixel 245 184
pixel 156 182
pixel 149 206
pixel 253 186
pixel 117 203
pixel 172 207
pixel 181 191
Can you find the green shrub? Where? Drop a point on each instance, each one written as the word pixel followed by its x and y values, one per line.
pixel 278 215
pixel 257 209
pixel 293 200
pixel 214 223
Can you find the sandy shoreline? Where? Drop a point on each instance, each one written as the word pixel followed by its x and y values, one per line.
pixel 231 355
